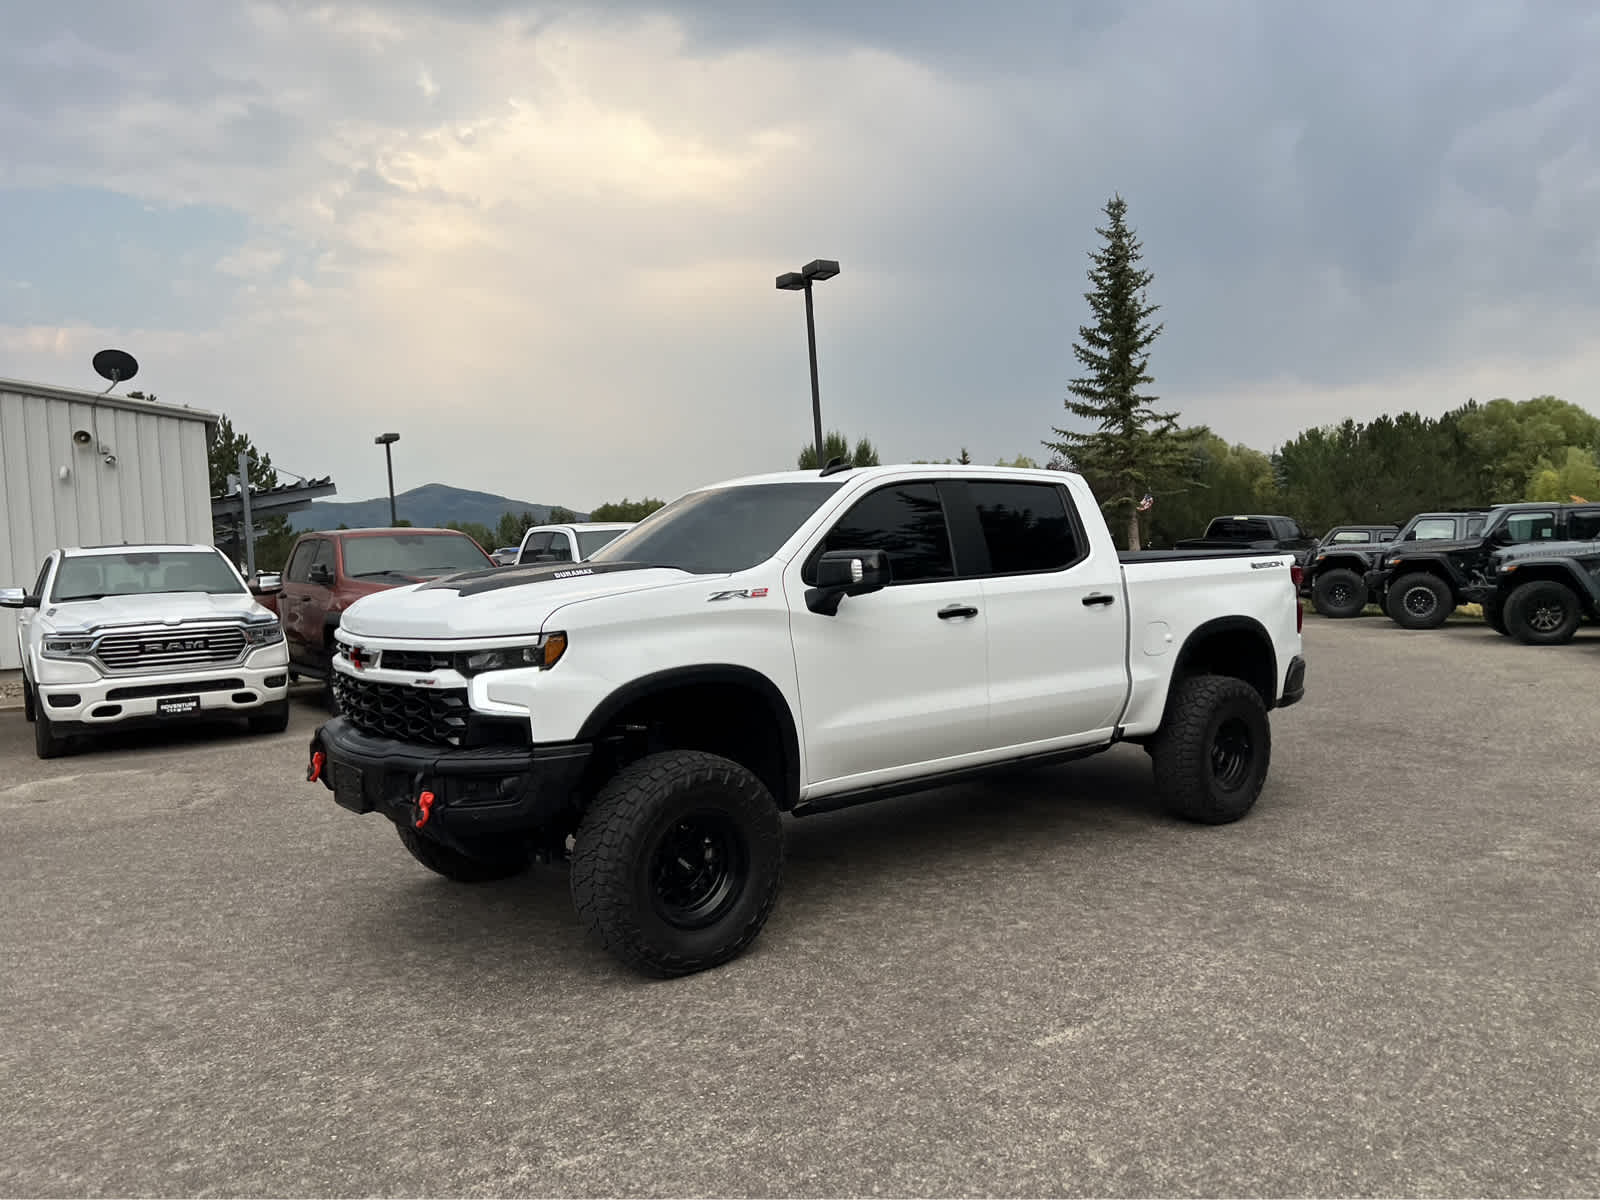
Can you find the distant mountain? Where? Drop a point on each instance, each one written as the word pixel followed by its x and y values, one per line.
pixel 432 505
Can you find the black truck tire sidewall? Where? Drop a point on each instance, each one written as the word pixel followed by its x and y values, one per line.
pixel 1532 603
pixel 30 709
pixel 46 743
pixel 1494 615
pixel 1323 591
pixel 1411 585
pixel 620 845
pixel 272 718
pixel 457 867
pixel 1204 708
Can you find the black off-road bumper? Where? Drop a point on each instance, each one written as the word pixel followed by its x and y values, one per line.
pixel 452 795
pixel 1294 683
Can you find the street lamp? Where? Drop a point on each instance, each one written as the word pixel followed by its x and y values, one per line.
pixel 386 440
pixel 801 281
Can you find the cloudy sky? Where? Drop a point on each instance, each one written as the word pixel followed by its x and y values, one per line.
pixel 540 240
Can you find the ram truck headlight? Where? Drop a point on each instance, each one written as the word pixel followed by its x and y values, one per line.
pixel 543 654
pixel 68 647
pixel 263 634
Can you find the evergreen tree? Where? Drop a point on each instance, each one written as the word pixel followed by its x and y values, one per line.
pixel 274 535
pixel 836 445
pixel 1130 446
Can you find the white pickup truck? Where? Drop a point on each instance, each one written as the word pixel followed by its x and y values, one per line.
pixel 120 636
pixel 793 643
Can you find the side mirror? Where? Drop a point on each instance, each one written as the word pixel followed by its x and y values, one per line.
pixel 17 598
pixel 269 586
pixel 322 576
pixel 842 573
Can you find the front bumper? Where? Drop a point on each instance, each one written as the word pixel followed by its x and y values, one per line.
pixel 1294 682
pixel 103 701
pixel 477 792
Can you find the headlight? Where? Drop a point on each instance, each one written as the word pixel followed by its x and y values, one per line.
pixel 68 647
pixel 263 635
pixel 544 654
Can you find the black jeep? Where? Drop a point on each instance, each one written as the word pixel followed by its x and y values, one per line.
pixel 1336 574
pixel 1540 593
pixel 1423 582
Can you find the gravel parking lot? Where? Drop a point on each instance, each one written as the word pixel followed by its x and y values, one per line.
pixel 1384 981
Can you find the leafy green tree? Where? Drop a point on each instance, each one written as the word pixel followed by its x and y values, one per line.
pixel 560 515
pixel 1220 479
pixel 625 510
pixel 836 445
pixel 1513 439
pixel 1577 477
pixel 274 535
pixel 511 528
pixel 1130 445
pixel 478 532
pixel 1021 462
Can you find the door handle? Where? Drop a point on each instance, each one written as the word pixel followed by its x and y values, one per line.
pixel 957 610
pixel 1094 598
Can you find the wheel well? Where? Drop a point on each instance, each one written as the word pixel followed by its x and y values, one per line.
pixel 1234 646
pixel 1345 563
pixel 733 713
pixel 1552 574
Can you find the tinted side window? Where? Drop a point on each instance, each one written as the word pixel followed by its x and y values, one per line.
pixel 299 568
pixel 537 543
pixel 1434 528
pixel 907 522
pixel 561 547
pixel 1349 537
pixel 1026 526
pixel 1584 525
pixel 324 555
pixel 1531 527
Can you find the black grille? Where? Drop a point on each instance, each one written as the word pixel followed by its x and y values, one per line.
pixel 436 716
pixel 417 661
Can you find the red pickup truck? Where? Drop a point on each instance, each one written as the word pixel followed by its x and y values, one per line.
pixel 330 570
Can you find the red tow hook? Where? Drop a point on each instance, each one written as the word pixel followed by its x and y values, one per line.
pixel 425 804
pixel 314 771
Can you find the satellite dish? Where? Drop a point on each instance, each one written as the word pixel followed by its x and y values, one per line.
pixel 115 365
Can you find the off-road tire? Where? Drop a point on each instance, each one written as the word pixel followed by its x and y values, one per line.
pixel 1543 613
pixel 1494 616
pixel 273 718
pixel 1339 593
pixel 29 704
pixel 622 883
pixel 46 742
pixel 1205 714
pixel 510 860
pixel 1410 588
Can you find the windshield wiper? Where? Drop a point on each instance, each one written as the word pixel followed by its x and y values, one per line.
pixel 370 574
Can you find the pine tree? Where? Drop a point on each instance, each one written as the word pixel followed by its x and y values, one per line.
pixel 1130 444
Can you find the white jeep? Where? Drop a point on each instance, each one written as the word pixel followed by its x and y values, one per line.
pixel 789 644
pixel 116 636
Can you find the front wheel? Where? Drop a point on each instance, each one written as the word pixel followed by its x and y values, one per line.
pixel 46 742
pixel 1543 613
pixel 1419 601
pixel 500 863
pixel 272 719
pixel 678 861
pixel 1212 752
pixel 1494 616
pixel 1339 593
pixel 29 705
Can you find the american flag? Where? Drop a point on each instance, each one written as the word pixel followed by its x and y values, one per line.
pixel 1147 502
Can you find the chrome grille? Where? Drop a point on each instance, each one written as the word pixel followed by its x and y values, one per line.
pixel 171 648
pixel 434 716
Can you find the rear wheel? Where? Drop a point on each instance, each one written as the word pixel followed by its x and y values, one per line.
pixel 1339 593
pixel 1419 601
pixel 1543 613
pixel 1213 749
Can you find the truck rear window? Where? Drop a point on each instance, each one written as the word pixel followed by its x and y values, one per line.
pixel 1239 531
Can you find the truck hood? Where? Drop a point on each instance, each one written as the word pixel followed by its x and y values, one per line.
pixel 1564 549
pixel 1434 546
pixel 504 602
pixel 157 608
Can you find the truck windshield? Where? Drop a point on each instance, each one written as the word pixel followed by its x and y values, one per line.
pixel 135 573
pixel 412 554
pixel 721 530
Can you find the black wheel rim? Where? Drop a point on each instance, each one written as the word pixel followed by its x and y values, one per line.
pixel 1232 752
pixel 1547 617
pixel 1420 601
pixel 698 870
pixel 1339 595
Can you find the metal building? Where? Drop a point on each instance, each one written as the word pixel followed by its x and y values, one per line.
pixel 80 468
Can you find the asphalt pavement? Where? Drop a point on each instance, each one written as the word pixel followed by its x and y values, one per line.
pixel 1385 981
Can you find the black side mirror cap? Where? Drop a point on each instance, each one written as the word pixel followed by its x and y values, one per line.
pixel 842 573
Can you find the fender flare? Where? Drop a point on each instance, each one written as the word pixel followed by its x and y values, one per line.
pixel 1230 624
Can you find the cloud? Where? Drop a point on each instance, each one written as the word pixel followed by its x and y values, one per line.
pixel 542 243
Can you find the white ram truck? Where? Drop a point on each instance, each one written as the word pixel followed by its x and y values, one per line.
pixel 793 643
pixel 113 637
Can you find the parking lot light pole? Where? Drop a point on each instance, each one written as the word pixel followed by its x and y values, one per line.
pixel 387 440
pixel 801 281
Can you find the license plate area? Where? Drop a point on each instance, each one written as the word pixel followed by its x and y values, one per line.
pixel 350 788
pixel 177 706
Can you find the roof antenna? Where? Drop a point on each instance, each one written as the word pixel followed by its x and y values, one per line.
pixel 835 465
pixel 115 365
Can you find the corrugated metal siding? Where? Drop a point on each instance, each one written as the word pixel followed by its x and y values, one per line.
pixel 158 491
